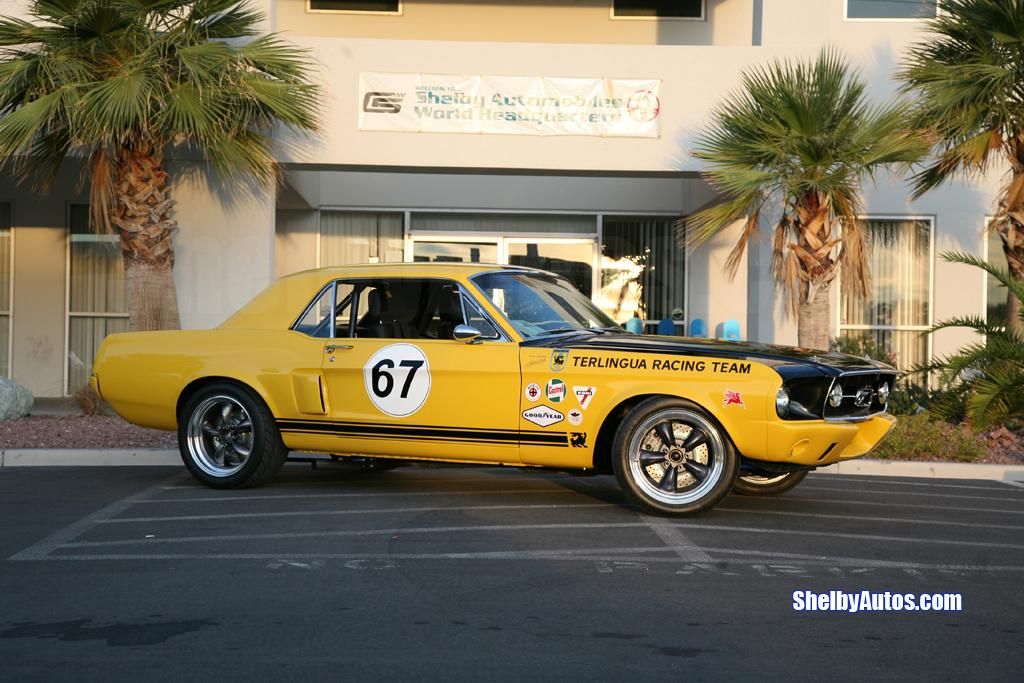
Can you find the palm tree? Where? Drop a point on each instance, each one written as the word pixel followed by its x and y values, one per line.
pixel 120 84
pixel 803 134
pixel 989 371
pixel 969 80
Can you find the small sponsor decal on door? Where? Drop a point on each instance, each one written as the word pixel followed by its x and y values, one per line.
pixel 554 390
pixel 532 392
pixel 733 398
pixel 575 416
pixel 559 357
pixel 584 395
pixel 542 416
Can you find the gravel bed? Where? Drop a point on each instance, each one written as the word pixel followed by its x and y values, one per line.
pixel 80 431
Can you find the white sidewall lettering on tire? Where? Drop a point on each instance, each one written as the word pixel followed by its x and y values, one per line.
pixel 397 379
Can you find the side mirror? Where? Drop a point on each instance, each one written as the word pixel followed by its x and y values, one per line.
pixel 466 333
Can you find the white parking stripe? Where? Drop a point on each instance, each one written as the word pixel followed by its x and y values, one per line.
pixel 834 479
pixel 385 494
pixel 545 555
pixel 39 550
pixel 535 527
pixel 860 518
pixel 847 489
pixel 374 511
pixel 678 542
pixel 876 503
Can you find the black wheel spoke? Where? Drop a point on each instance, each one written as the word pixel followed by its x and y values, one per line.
pixel 243 426
pixel 698 469
pixel 210 430
pixel 220 454
pixel 695 438
pixel 665 433
pixel 668 481
pixel 648 458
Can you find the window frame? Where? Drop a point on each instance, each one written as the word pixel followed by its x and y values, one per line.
pixel 68 313
pixel 614 17
pixel 985 253
pixel 367 12
pixel 904 20
pixel 9 311
pixel 929 339
pixel 502 336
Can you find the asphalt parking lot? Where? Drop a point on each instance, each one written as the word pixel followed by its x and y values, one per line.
pixel 496 574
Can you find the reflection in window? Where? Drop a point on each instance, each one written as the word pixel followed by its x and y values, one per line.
pixel 643 269
pixel 385 6
pixel 97 294
pixel 895 313
pixel 890 9
pixel 570 260
pixel 677 9
pixel 995 292
pixel 455 252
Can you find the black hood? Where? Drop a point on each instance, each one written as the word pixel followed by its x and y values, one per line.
pixel 793 359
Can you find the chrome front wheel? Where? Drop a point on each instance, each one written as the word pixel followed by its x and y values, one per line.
pixel 671 457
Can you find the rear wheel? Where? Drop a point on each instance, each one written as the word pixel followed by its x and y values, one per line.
pixel 228 439
pixel 672 458
pixel 771 485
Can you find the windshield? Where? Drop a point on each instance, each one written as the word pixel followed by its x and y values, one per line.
pixel 539 303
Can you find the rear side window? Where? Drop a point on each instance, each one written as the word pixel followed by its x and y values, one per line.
pixel 316 321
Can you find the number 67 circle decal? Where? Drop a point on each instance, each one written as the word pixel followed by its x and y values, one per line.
pixel 397 379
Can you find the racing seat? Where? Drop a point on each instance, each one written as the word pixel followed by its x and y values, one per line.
pixel 449 311
pixel 385 318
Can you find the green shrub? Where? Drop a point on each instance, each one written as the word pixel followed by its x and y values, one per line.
pixel 924 437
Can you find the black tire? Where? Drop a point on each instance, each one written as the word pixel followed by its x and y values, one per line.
pixel 212 427
pixel 672 458
pixel 776 485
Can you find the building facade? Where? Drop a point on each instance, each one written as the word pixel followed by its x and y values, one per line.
pixel 596 197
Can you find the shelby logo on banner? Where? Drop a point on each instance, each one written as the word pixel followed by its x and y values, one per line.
pixel 518 105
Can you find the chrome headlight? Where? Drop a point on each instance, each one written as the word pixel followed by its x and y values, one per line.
pixel 782 402
pixel 883 393
pixel 835 397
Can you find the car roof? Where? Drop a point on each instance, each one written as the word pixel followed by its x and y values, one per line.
pixel 277 306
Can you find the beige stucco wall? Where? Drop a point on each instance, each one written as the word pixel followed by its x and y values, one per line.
pixel 727 22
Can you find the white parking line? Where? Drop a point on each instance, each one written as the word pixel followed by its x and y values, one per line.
pixel 39 550
pixel 385 494
pixel 373 511
pixel 847 489
pixel 678 542
pixel 536 527
pixel 415 479
pixel 542 555
pixel 859 518
pixel 876 503
pixel 832 479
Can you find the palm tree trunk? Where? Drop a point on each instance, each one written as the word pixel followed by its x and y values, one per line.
pixel 143 216
pixel 813 321
pixel 1011 231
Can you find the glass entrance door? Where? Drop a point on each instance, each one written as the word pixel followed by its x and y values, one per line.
pixel 443 250
pixel 573 259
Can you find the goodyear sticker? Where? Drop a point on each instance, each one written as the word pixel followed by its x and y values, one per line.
pixel 554 390
pixel 559 357
pixel 542 416
pixel 532 392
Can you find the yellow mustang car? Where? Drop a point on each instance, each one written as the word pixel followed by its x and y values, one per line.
pixel 490 364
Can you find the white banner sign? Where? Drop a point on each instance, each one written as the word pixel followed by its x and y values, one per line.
pixel 509 105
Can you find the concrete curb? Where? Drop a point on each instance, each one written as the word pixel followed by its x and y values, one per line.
pixel 1013 474
pixel 113 457
pixel 88 457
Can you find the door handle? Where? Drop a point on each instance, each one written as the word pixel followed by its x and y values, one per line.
pixel 331 348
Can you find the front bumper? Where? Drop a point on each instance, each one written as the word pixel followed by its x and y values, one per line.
pixel 817 443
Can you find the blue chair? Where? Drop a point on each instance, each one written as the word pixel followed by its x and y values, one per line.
pixel 698 328
pixel 635 325
pixel 731 330
pixel 666 327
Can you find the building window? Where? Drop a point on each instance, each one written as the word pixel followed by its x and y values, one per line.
pixel 643 270
pixel 896 314
pixel 97 294
pixel 657 9
pixel 352 237
pixel 890 9
pixel 6 272
pixel 995 293
pixel 360 6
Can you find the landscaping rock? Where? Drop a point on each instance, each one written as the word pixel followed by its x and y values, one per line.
pixel 15 400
